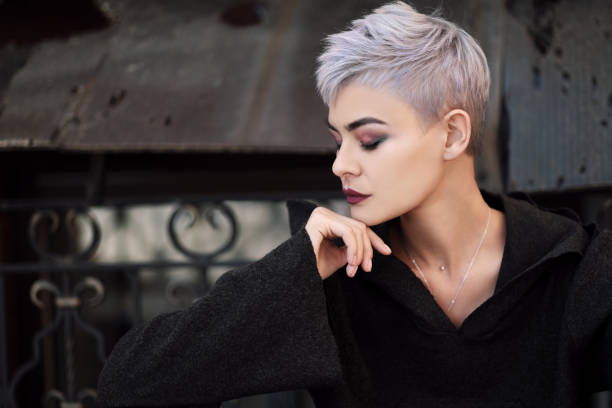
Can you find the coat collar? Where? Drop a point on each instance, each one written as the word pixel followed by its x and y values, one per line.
pixel 534 235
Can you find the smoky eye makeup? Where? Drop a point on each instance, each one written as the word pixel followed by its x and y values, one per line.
pixel 371 142
pixel 367 143
pixel 371 145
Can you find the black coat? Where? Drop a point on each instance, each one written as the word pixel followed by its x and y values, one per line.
pixel 544 339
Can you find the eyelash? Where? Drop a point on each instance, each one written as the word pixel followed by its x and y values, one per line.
pixel 370 146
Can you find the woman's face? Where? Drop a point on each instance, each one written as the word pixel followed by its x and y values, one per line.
pixel 385 151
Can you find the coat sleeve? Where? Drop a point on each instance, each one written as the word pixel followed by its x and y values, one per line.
pixel 603 336
pixel 262 328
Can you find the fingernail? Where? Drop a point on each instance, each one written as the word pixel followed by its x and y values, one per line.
pixel 368 264
pixel 349 270
pixel 387 246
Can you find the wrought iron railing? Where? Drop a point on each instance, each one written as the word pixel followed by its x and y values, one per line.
pixel 69 283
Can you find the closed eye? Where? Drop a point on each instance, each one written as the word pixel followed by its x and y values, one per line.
pixel 373 145
pixel 366 146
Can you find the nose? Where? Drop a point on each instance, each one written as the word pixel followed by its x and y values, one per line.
pixel 345 162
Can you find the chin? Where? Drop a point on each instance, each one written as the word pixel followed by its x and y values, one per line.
pixel 374 215
pixel 369 218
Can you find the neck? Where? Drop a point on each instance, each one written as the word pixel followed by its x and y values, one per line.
pixel 447 226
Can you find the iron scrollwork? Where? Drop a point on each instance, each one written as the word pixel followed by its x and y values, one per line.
pixel 88 292
pixel 194 214
pixel 70 220
pixel 175 288
pixel 88 393
pixel 67 305
pixel 73 300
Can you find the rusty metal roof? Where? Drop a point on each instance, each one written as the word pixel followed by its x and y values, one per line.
pixel 177 75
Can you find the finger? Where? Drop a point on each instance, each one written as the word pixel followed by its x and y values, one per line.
pixel 368 253
pixel 365 244
pixel 356 252
pixel 358 231
pixel 362 243
pixel 344 231
pixel 378 243
pixel 348 236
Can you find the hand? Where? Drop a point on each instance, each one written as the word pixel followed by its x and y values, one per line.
pixel 324 226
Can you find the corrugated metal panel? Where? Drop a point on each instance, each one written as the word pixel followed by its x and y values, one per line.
pixel 558 94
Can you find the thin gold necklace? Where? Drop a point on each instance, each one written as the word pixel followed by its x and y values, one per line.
pixel 465 275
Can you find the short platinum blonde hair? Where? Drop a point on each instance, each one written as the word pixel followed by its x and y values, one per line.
pixel 431 63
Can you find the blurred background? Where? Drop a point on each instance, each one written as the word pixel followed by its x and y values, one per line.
pixel 148 146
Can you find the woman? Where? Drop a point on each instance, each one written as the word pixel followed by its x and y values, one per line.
pixel 440 294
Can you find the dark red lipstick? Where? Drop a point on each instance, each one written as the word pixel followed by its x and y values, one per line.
pixel 354 197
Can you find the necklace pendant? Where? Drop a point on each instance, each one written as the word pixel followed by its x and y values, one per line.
pixel 442 268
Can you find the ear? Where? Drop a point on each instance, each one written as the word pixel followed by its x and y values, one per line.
pixel 458 128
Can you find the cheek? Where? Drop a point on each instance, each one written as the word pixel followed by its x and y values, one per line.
pixel 413 171
pixel 403 167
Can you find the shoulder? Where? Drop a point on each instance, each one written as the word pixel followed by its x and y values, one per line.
pixel 597 259
pixel 590 296
pixel 595 269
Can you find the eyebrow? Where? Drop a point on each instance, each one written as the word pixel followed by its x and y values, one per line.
pixel 357 123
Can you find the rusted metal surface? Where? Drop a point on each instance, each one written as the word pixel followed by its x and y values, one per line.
pixel 558 94
pixel 166 76
pixel 178 76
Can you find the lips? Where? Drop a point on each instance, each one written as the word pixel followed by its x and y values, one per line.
pixel 353 197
